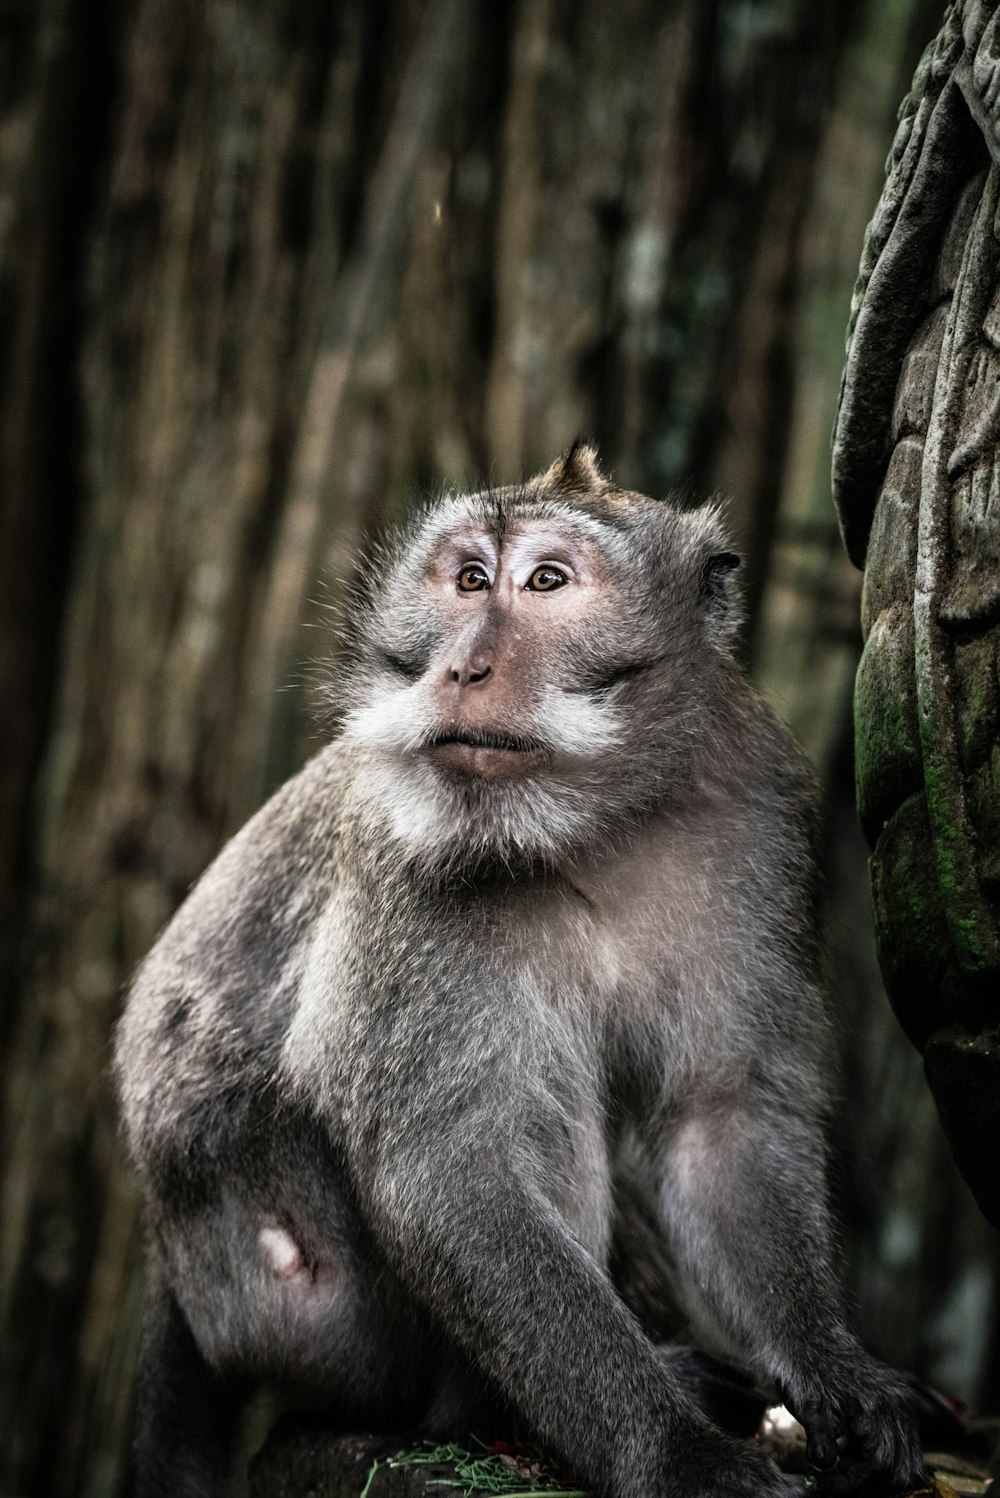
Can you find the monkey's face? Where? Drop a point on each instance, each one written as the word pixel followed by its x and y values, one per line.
pixel 525 664
pixel 502 693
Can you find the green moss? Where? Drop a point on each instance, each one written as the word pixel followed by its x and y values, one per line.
pixel 962 916
pixel 887 747
pixel 972 711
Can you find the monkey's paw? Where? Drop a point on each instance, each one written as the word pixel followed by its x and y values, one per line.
pixel 861 1433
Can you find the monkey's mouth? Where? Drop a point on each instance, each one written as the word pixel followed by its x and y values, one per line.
pixel 483 738
pixel 485 754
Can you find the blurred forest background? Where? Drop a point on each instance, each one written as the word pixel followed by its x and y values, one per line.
pixel 270 268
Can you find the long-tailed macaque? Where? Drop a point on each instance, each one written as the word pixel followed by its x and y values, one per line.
pixel 533 937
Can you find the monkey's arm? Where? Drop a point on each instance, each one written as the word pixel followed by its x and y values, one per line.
pixel 465 1219
pixel 744 1205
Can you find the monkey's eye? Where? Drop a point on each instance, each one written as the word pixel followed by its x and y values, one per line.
pixel 472 578
pixel 544 579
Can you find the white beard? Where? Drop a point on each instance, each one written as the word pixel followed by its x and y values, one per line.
pixel 439 819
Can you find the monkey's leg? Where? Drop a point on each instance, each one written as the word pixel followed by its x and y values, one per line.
pixel 646 1277
pixel 285 1287
pixel 479 1242
pixel 743 1199
pixel 187 1414
pixel 728 1397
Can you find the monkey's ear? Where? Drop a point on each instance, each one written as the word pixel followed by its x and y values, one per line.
pixel 720 599
pixel 715 570
pixel 577 470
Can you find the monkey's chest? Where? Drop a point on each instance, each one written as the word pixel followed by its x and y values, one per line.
pixel 648 980
pixel 623 959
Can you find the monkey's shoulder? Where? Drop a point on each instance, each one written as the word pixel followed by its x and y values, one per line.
pixel 712 896
pixel 758 789
pixel 781 772
pixel 208 1008
pixel 271 878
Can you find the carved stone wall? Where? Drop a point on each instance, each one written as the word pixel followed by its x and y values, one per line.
pixel 917 485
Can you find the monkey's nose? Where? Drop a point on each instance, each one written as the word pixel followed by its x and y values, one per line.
pixel 471 672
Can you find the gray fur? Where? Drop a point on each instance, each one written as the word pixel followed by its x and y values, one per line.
pixel 393 1069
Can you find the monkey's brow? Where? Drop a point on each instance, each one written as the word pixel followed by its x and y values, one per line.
pixel 460 534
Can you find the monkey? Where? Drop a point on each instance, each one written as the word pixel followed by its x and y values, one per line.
pixel 532 938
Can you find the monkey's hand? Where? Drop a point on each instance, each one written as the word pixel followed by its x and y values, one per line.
pixel 860 1430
